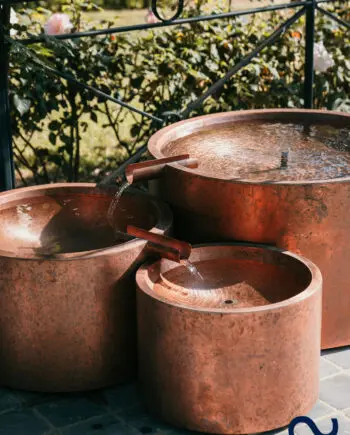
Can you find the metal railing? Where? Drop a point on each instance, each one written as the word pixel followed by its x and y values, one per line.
pixel 305 8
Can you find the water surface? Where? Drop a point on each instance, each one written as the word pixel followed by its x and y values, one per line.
pixel 252 150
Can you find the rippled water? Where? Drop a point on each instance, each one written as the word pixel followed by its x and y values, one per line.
pixel 252 151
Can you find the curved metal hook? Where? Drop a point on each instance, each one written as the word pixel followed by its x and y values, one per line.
pixel 314 429
pixel 180 8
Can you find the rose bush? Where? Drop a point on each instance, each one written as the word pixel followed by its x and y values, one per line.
pixel 156 71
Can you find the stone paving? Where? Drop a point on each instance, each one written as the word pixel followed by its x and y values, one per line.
pixel 118 411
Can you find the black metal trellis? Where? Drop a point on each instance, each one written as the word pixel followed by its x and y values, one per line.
pixel 306 7
pixel 7 176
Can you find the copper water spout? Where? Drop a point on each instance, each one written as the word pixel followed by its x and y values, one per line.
pixel 165 246
pixel 152 169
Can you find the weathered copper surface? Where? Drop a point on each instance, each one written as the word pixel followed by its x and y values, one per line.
pixel 172 249
pixel 67 289
pixel 152 169
pixel 234 352
pixel 303 208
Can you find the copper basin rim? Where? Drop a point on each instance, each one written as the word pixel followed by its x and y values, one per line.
pixel 212 368
pixel 308 217
pixel 186 127
pixel 76 312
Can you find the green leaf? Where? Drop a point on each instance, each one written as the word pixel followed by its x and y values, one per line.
pixel 212 66
pixel 54 125
pixel 42 152
pixel 135 130
pixel 214 52
pixel 22 104
pixel 52 138
pixel 54 158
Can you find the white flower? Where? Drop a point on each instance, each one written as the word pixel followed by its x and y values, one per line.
pixel 323 60
pixel 13 20
pixel 58 24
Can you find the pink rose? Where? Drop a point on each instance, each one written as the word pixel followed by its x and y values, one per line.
pixel 151 18
pixel 58 24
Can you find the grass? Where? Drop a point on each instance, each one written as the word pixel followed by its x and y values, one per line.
pixel 128 17
pixel 124 17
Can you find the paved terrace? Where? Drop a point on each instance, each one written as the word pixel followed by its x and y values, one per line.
pixel 118 411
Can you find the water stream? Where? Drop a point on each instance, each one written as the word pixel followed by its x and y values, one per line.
pixel 114 203
pixel 192 269
pixel 110 215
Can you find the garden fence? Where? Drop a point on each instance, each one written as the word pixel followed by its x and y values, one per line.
pixel 305 8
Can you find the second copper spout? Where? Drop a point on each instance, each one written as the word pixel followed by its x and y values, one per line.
pixel 152 169
pixel 165 246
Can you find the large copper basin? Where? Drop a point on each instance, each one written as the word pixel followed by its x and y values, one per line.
pixel 303 208
pixel 67 285
pixel 236 350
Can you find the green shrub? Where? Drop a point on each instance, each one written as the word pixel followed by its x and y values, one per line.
pixel 157 71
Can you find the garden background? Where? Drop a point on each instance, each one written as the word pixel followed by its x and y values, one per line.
pixel 63 133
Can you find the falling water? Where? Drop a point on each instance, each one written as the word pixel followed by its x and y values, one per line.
pixel 115 201
pixel 192 269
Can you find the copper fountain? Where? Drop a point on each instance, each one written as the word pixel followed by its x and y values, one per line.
pixel 278 177
pixel 67 284
pixel 234 347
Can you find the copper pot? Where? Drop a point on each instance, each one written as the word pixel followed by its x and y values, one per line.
pixel 307 215
pixel 67 289
pixel 236 352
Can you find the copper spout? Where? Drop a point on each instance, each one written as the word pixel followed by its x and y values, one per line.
pixel 152 169
pixel 165 246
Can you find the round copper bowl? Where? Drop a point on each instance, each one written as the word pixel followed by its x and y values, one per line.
pixel 237 352
pixel 67 285
pixel 309 216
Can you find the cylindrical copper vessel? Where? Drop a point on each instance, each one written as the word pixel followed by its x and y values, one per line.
pixel 309 215
pixel 67 285
pixel 233 348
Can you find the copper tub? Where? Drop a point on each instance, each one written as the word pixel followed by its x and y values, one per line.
pixel 236 352
pixel 301 205
pixel 67 285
